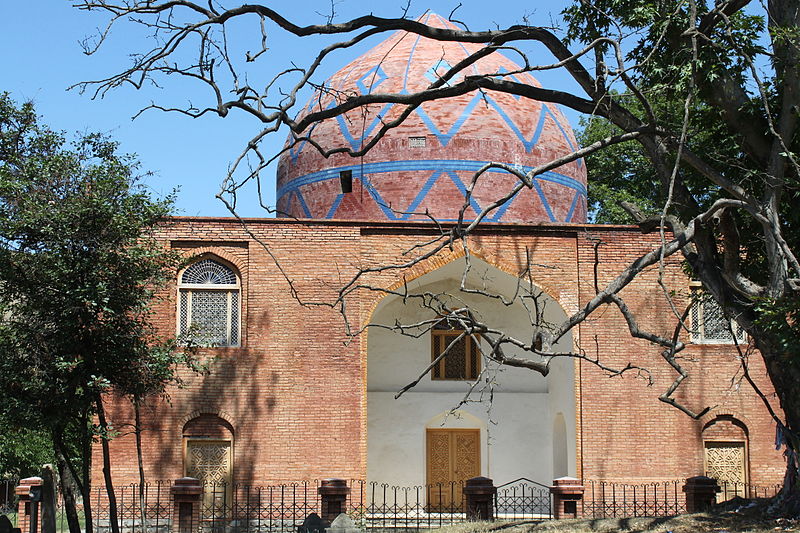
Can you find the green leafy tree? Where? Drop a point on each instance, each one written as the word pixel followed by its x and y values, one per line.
pixel 23 449
pixel 78 268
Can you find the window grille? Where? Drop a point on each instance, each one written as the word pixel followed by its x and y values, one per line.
pixel 709 324
pixel 417 142
pixel 208 304
pixel 462 362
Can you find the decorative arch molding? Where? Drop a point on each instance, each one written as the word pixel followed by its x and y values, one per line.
pixel 227 417
pixel 444 258
pixel 463 419
pixel 724 414
pixel 726 443
pixel 213 252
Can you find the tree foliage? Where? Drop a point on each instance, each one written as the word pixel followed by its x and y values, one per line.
pixel 78 268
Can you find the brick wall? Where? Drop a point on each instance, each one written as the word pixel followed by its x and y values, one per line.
pixel 294 392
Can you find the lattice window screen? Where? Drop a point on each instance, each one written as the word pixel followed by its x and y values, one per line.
pixel 210 316
pixel 709 323
pixel 461 362
pixel 208 272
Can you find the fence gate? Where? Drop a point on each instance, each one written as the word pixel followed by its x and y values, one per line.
pixel 523 499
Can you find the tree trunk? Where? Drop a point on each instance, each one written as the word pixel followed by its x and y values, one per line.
pixel 138 433
pixel 112 497
pixel 86 473
pixel 785 376
pixel 67 485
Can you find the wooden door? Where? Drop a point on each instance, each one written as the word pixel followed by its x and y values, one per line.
pixel 210 461
pixel 453 456
pixel 727 463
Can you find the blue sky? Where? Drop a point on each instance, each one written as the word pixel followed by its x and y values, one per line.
pixel 42 57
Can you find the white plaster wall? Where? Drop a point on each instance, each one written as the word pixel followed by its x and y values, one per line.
pixel 516 443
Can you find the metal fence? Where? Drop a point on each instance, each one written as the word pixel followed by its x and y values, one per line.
pixel 246 508
pixel 283 508
pixel 523 499
pixel 156 512
pixel 666 498
pixel 607 499
pixel 731 490
pixel 8 500
pixel 372 505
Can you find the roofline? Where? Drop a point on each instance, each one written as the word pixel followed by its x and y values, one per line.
pixel 410 224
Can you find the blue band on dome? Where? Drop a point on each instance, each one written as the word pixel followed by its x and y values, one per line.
pixel 438 167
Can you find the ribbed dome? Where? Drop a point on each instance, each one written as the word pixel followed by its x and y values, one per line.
pixel 428 161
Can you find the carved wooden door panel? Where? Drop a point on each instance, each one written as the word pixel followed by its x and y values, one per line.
pixel 727 463
pixel 453 456
pixel 210 461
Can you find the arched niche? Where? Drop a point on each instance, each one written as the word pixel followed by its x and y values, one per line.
pixel 560 450
pixel 519 420
pixel 208 455
pixel 726 453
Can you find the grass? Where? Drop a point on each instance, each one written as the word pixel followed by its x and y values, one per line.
pixel 727 522
pixel 61 521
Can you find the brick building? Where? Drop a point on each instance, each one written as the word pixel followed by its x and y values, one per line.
pixel 292 396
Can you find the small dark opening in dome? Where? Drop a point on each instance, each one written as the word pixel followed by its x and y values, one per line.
pixel 346 180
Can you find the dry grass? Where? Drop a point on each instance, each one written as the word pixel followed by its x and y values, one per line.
pixel 729 522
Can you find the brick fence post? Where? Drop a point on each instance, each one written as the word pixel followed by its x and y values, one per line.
pixel 479 492
pixel 701 491
pixel 187 492
pixel 333 492
pixel 567 492
pixel 25 506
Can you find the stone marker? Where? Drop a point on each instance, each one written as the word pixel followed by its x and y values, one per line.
pixel 343 524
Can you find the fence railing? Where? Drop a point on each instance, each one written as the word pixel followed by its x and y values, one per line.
pixel 156 513
pixel 730 490
pixel 523 499
pixel 8 500
pixel 283 508
pixel 666 498
pixel 606 499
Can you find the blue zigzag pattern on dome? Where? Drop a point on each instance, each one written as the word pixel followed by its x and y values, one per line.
pixel 445 137
pixel 432 180
pixel 439 168
pixel 356 143
pixel 433 73
pixel 300 200
pixel 295 153
pixel 378 77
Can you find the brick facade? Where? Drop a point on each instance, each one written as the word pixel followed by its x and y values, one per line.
pixel 293 395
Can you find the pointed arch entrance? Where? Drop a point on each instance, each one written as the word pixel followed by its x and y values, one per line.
pixel 515 431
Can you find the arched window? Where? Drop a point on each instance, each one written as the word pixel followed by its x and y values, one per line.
pixel 208 308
